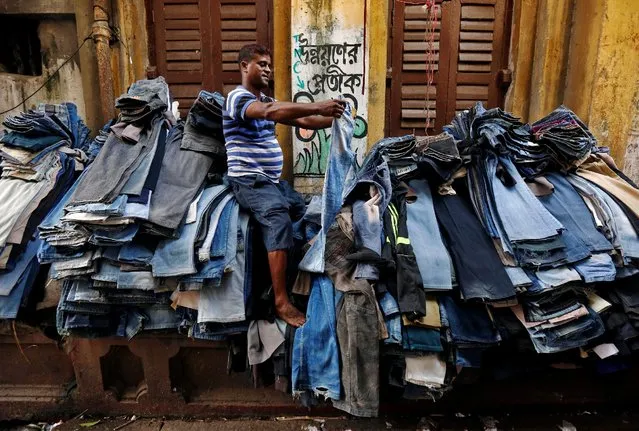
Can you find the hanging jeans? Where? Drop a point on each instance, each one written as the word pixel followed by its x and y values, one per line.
pixel 317 369
pixel 339 170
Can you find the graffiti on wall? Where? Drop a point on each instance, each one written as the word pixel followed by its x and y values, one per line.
pixel 322 71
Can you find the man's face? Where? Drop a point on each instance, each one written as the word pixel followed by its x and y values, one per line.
pixel 258 70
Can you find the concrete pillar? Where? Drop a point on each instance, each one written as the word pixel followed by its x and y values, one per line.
pixel 282 74
pixel 101 36
pixel 377 24
pixel 522 49
pixel 131 52
pixel 88 66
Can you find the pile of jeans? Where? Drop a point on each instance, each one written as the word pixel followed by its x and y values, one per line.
pixel 565 137
pixel 203 129
pixel 446 252
pixel 42 151
pixel 558 141
pixel 148 237
pixel 437 254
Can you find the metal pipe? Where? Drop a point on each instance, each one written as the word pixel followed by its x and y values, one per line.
pixel 101 37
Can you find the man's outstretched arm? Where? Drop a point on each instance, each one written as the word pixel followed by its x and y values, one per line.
pixel 317 115
pixel 313 122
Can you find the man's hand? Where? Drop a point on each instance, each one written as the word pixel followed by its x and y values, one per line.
pixel 331 108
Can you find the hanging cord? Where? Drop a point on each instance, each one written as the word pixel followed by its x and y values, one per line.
pixel 429 38
pixel 15 336
pixel 50 76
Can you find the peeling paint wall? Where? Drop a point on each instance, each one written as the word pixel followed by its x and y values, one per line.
pixel 583 54
pixel 329 57
pixel 631 165
pixel 58 41
pixel 129 56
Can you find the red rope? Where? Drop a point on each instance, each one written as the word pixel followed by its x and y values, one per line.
pixel 429 37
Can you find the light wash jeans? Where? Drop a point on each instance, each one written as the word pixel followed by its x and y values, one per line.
pixel 339 171
pixel 176 256
pixel 431 254
pixel 318 369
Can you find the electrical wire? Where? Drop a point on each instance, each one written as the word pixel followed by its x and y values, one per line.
pixel 50 76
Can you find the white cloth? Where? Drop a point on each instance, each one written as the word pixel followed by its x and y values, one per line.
pixel 426 370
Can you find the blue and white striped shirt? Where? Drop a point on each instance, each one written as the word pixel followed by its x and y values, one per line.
pixel 251 145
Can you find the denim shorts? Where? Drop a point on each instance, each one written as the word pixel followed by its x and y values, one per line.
pixel 267 203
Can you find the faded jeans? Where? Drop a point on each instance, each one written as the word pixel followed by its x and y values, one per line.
pixel 339 170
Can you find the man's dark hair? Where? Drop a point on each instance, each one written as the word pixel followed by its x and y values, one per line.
pixel 248 51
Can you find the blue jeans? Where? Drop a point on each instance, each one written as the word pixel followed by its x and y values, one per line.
pixel 135 253
pixel 393 319
pixel 568 336
pixel 598 267
pixel 469 325
pixel 214 223
pixel 115 208
pixel 20 287
pixel 339 171
pixel 431 254
pixel 177 256
pixel 225 303
pixel 9 279
pixel 317 369
pixel 569 208
pixel 517 199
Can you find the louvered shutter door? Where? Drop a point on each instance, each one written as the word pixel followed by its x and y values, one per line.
pixel 183 50
pixel 409 110
pixel 243 22
pixel 197 42
pixel 479 49
pixel 470 48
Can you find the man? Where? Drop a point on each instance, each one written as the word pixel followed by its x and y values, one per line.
pixel 255 160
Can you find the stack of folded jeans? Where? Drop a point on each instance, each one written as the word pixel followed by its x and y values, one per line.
pixel 564 136
pixel 144 100
pixel 68 114
pixel 501 132
pixel 146 239
pixel 41 154
pixel 555 311
pixel 438 157
pixel 500 197
pixel 203 129
pixel 469 330
pixel 197 283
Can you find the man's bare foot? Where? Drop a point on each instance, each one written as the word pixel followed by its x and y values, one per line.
pixel 290 314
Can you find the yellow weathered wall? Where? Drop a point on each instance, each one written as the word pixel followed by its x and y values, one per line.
pixel 615 82
pixel 584 54
pixel 130 56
